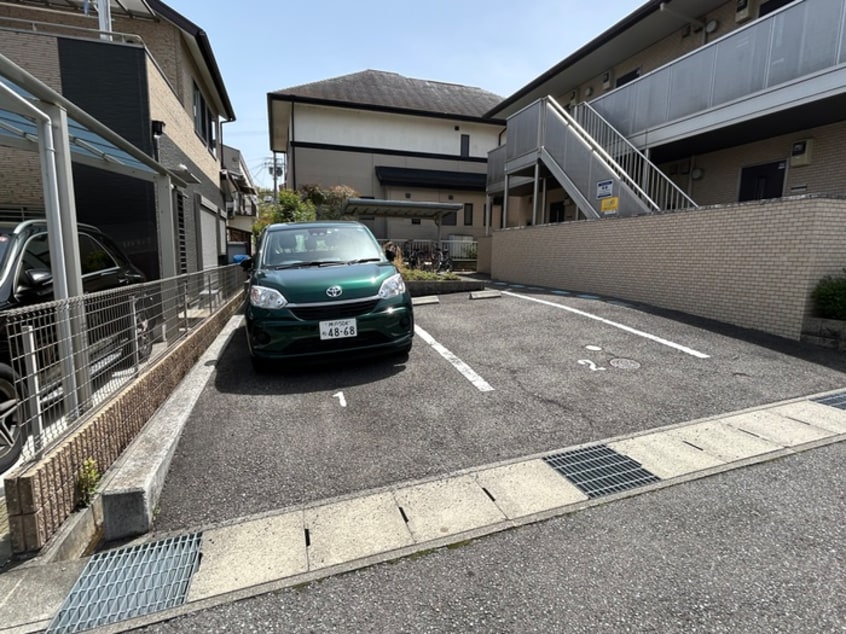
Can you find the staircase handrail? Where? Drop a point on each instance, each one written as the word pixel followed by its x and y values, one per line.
pixel 596 147
pixel 679 194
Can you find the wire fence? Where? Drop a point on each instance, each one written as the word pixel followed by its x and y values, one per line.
pixel 420 253
pixel 66 358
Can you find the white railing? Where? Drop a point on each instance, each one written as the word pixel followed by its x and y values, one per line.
pixel 60 380
pixel 656 185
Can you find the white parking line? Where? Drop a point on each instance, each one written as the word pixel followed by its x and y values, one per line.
pixel 466 370
pixel 639 333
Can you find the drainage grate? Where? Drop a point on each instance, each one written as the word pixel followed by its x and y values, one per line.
pixel 129 582
pixel 834 400
pixel 600 470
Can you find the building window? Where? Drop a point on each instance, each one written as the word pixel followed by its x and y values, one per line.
pixel 465 145
pixel 624 79
pixel 415 221
pixel 450 219
pixel 204 120
pixel 468 213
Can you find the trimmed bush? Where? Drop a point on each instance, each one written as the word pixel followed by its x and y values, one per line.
pixel 830 297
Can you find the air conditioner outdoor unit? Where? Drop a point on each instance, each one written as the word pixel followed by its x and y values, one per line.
pixel 743 11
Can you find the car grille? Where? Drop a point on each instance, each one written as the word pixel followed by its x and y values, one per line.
pixel 337 311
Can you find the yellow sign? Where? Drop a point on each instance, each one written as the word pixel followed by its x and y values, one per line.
pixel 610 204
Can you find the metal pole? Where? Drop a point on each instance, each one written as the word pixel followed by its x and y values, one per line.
pixel 535 195
pixel 34 415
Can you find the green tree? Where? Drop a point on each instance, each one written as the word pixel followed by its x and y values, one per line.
pixel 329 202
pixel 288 207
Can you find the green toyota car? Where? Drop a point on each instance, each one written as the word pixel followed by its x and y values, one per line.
pixel 324 288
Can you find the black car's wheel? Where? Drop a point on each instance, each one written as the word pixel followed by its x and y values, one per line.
pixel 11 429
pixel 144 334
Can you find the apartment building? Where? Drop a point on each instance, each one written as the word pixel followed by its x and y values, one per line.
pixel 392 138
pixel 148 74
pixel 241 199
pixel 682 104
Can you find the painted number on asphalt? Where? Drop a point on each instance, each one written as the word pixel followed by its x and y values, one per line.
pixel 590 364
pixel 341 399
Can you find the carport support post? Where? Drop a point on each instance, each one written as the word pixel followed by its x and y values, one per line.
pixel 167 256
pixel 74 364
pixel 535 195
pixel 167 227
pixel 505 203
pixel 488 213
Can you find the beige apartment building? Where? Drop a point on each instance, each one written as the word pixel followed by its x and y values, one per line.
pixel 391 138
pixel 682 104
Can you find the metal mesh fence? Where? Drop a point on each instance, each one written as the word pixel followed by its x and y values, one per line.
pixel 68 357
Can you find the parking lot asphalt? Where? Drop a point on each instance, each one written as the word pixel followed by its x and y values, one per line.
pixel 546 370
pixel 285 481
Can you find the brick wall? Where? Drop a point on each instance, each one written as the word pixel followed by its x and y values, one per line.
pixel 753 265
pixel 42 496
pixel 21 169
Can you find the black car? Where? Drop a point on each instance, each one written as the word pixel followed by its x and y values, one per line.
pixel 26 278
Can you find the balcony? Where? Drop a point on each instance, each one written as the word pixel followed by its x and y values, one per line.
pixel 782 73
pixel 793 59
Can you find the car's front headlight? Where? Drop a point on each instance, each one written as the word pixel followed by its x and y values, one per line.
pixel 263 297
pixel 392 287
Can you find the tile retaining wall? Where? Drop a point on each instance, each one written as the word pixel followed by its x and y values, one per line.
pixel 753 265
pixel 42 496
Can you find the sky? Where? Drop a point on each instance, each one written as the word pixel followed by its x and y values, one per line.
pixel 262 46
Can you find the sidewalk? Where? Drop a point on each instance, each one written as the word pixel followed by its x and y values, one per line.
pixel 195 570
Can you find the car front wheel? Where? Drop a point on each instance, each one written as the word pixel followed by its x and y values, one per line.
pixel 11 429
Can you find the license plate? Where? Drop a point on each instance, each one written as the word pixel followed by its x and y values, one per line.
pixel 338 329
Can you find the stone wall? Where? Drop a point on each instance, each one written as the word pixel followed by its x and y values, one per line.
pixel 751 264
pixel 42 496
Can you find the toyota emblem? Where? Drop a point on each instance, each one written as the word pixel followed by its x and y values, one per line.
pixel 334 291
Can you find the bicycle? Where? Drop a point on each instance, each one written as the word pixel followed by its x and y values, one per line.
pixel 443 262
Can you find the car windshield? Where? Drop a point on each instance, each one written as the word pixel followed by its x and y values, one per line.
pixel 6 240
pixel 319 246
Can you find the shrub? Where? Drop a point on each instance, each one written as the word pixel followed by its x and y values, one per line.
pixel 86 482
pixel 830 297
pixel 414 275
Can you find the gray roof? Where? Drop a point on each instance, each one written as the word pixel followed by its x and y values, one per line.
pixel 392 90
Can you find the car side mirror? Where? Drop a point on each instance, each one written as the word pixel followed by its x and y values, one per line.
pixel 246 264
pixel 36 278
pixel 391 255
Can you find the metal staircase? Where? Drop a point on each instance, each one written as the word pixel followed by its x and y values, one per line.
pixel 599 169
pixel 654 188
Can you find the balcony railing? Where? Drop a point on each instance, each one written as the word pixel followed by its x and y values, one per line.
pixel 805 38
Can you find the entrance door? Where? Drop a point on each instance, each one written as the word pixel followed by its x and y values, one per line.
pixel 762 181
pixel 556 212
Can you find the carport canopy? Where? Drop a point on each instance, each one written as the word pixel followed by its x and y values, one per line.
pixel 401 209
pixel 34 117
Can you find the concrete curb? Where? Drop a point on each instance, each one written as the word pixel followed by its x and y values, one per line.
pixel 131 494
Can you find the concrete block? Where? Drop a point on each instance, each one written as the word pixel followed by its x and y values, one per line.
pixel 528 487
pixel 249 554
pixel 816 414
pixel 787 432
pixel 723 441
pixel 355 529
pixel 664 455
pixel 447 507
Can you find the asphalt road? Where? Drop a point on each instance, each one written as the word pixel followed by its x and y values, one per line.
pixel 558 377
pixel 755 550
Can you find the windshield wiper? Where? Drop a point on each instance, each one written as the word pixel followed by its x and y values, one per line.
pixel 299 265
pixel 360 260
